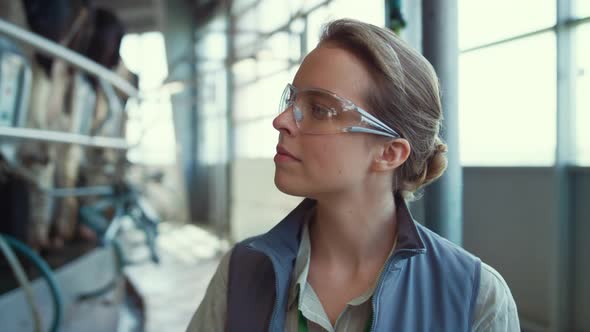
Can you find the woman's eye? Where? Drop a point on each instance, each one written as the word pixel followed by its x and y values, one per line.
pixel 320 112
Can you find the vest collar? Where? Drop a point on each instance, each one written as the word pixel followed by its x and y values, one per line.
pixel 282 241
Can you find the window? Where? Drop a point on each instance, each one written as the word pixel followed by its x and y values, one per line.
pixel 483 21
pixel 582 95
pixel 368 11
pixel 507 103
pixel 582 8
pixel 152 119
pixel 507 90
pixel 256 139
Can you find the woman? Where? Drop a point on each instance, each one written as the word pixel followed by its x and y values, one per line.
pixel 358 135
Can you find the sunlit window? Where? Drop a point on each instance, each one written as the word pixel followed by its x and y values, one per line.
pixel 483 21
pixel 151 123
pixel 366 11
pixel 582 8
pixel 507 103
pixel 582 95
pixel 256 139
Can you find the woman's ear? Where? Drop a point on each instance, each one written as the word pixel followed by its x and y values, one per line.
pixel 391 155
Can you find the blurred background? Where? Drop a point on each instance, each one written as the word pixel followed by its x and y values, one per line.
pixel 136 147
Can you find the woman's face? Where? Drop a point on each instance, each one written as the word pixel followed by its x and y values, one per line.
pixel 331 163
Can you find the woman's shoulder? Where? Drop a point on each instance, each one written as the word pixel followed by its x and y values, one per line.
pixel 220 277
pixel 495 308
pixel 242 260
pixel 211 314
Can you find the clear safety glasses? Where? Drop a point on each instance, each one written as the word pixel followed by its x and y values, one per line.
pixel 318 111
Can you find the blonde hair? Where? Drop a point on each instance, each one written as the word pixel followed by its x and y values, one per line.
pixel 406 97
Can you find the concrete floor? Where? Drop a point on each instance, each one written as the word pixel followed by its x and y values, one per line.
pixel 173 289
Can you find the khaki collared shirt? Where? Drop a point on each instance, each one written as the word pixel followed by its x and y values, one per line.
pixel 495 309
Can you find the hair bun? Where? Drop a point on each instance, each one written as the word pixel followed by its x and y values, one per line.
pixel 441 148
pixel 437 163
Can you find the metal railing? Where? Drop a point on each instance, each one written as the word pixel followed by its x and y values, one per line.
pixel 51 48
pixel 81 62
pixel 64 137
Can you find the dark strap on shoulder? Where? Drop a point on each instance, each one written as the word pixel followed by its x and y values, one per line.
pixel 251 291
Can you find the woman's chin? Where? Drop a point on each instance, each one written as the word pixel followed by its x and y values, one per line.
pixel 290 187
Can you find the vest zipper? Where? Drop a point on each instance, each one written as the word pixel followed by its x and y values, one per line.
pixel 274 308
pixel 394 259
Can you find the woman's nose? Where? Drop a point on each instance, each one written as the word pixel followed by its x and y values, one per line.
pixel 284 122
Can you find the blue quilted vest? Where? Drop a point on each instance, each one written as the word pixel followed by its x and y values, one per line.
pixel 428 284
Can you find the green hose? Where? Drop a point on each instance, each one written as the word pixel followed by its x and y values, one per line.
pixel 47 275
pixel 23 280
pixel 91 217
pixel 119 263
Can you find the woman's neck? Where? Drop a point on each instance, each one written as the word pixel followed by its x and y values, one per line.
pixel 352 231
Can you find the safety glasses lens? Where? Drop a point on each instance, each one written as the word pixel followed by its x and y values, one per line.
pixel 286 98
pixel 321 113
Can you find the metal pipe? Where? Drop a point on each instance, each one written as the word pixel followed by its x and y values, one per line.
pixel 62 137
pixel 51 48
pixel 443 198
pixel 561 258
pixel 224 229
pixel 180 37
pixel 567 23
pixel 81 191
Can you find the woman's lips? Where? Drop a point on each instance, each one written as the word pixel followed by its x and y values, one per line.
pixel 283 155
pixel 283 158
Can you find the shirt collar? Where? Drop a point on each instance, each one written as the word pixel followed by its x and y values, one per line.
pixel 301 268
pixel 283 240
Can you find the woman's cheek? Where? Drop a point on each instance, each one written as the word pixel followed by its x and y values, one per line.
pixel 327 161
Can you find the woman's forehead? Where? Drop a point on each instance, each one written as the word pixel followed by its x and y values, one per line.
pixel 334 69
